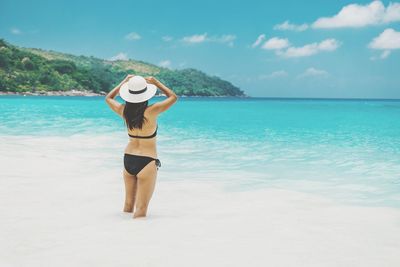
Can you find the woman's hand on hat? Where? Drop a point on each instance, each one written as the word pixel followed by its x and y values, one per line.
pixel 124 81
pixel 151 80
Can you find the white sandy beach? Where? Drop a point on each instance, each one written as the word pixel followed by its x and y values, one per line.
pixel 61 205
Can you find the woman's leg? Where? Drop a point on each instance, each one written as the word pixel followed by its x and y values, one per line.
pixel 130 191
pixel 145 188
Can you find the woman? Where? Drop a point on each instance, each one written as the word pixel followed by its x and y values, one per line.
pixel 140 158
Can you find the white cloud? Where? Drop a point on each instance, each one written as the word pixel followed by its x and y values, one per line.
pixel 312 72
pixel 260 38
pixel 165 63
pixel 15 31
pixel 282 47
pixel 327 45
pixel 287 26
pixel 167 38
pixel 119 56
pixel 275 74
pixel 388 40
pixel 133 36
pixel 392 13
pixel 276 43
pixel 197 38
pixel 356 16
pixel 201 38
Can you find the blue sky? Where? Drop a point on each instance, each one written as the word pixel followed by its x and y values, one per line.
pixel 305 49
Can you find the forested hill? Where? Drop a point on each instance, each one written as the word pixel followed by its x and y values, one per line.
pixel 35 70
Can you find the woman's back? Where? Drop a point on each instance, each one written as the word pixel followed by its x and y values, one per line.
pixel 143 141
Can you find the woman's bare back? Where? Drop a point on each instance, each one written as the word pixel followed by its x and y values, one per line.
pixel 144 146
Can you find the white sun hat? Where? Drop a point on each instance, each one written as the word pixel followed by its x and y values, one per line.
pixel 136 90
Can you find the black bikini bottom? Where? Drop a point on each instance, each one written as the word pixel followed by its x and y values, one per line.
pixel 134 163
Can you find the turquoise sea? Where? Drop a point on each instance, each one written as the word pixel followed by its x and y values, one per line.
pixel 345 149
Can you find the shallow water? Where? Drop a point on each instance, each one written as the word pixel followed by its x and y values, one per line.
pixel 347 150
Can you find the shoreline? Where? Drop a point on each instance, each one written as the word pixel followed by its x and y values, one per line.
pixel 56 93
pixel 90 93
pixel 85 93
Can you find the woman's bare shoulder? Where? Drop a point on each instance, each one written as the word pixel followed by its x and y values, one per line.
pixel 149 111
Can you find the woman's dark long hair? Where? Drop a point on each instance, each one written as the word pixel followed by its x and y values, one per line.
pixel 134 114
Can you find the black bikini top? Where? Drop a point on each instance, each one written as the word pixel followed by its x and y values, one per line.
pixel 149 136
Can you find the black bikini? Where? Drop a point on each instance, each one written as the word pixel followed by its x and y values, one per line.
pixel 135 163
pixel 149 136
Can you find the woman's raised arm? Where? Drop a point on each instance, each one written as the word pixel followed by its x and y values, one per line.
pixel 165 104
pixel 111 102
